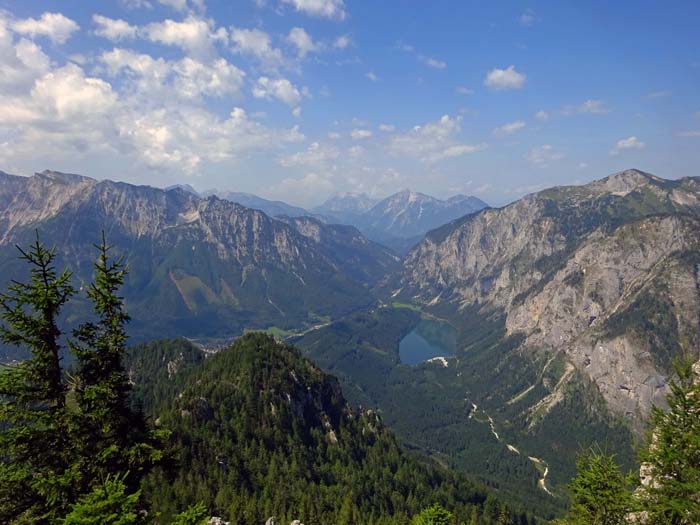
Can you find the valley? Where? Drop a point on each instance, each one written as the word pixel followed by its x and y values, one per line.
pixel 499 346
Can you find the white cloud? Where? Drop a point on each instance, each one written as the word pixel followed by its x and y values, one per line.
pixel 217 79
pixel 433 141
pixel 541 156
pixel 302 41
pixel 257 43
pixel 387 127
pixel 21 63
pixel 528 18
pixel 67 93
pixel 359 134
pixel 178 5
pixel 542 115
pixel 464 91
pixel 194 35
pixel 591 106
pixel 342 42
pixel 55 26
pixel 113 29
pixel 305 191
pixel 316 155
pixel 186 78
pixel 321 8
pixel 690 133
pixel 501 79
pixel 509 129
pixel 334 135
pixel 626 144
pixel 280 89
pixel 370 75
pixel 433 62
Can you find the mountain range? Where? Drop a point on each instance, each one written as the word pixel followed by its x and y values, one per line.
pixel 398 221
pixel 198 267
pixel 566 307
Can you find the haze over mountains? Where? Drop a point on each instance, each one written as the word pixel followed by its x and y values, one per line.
pixel 398 221
pixel 568 305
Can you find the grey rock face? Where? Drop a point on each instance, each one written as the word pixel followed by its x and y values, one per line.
pixel 605 274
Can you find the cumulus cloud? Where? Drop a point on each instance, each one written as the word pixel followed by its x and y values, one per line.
pixel 359 134
pixel 55 26
pixel 542 156
pixel 153 115
pixel 279 88
pixel 186 78
pixel 370 75
pixel 501 79
pixel 194 35
pixel 433 141
pixel 461 90
pixel 257 43
pixel 542 115
pixel 387 128
pixel 509 129
pixel 627 144
pixel 303 42
pixel 321 8
pixel 113 29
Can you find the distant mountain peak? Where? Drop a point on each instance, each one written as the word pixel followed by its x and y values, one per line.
pixel 58 176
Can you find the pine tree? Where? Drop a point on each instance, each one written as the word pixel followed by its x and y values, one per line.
pixel 673 457
pixel 107 504
pixel 599 491
pixel 434 515
pixel 33 435
pixel 111 438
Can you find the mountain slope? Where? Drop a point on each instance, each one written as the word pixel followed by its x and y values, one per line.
pixel 571 303
pixel 269 207
pixel 400 220
pixel 259 432
pixel 199 267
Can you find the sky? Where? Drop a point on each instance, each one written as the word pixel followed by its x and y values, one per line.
pixel 300 99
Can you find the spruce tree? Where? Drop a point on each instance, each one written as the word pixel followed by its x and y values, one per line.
pixel 111 437
pixel 673 457
pixel 434 515
pixel 599 491
pixel 33 434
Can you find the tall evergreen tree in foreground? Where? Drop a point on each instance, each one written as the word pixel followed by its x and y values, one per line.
pixel 34 442
pixel 112 439
pixel 673 458
pixel 599 492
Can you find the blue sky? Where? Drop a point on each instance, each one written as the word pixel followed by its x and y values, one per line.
pixel 299 99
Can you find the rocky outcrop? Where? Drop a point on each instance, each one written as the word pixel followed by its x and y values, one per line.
pixel 605 274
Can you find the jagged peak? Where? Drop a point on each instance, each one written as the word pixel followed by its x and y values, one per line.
pixel 67 178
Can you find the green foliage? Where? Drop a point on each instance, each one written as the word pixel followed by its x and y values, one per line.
pixel 599 492
pixel 33 426
pixel 434 515
pixel 71 450
pixel 259 431
pixel 673 455
pixel 110 436
pixel 106 504
pixel 193 515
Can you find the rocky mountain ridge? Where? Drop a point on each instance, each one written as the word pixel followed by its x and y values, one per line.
pixel 569 269
pixel 198 266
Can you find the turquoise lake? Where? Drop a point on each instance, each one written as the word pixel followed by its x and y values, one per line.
pixel 427 340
